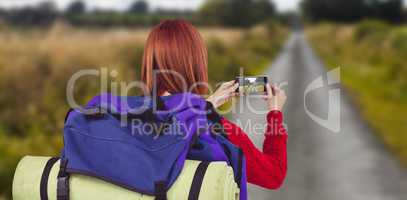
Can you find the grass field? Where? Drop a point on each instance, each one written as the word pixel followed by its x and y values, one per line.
pixel 373 61
pixel 36 65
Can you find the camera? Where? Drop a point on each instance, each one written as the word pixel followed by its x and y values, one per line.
pixel 252 85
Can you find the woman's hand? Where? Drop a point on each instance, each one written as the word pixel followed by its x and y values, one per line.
pixel 223 94
pixel 275 98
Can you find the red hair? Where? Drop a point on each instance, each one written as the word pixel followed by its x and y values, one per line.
pixel 175 47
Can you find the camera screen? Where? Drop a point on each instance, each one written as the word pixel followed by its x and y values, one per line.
pixel 252 85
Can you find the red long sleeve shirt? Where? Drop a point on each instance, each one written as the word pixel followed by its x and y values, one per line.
pixel 265 168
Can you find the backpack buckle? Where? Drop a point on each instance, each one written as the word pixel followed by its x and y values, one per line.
pixel 161 191
pixel 63 181
pixel 94 113
pixel 63 188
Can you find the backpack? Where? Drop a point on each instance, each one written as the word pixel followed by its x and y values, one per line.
pixel 141 143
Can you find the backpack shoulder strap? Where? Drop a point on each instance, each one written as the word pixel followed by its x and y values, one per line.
pixel 212 114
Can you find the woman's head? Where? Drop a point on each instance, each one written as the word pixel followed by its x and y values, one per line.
pixel 176 53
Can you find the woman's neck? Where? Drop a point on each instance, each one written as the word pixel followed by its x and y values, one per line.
pixel 165 93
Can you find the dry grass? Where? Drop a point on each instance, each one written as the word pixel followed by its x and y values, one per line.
pixel 62 43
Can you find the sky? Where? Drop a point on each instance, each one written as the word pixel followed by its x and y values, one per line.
pixel 282 5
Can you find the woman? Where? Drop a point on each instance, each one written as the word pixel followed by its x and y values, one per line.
pixel 176 48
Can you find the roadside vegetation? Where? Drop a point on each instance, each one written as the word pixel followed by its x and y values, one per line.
pixel 36 65
pixel 372 58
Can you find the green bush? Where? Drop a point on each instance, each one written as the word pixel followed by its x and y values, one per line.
pixel 376 30
pixel 400 41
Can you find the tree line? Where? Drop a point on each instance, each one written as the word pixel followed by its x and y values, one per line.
pixel 238 13
pixel 234 13
pixel 354 10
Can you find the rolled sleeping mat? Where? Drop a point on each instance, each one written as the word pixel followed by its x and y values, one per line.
pixel 217 183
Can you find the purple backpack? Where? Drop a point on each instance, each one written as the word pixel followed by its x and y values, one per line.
pixel 141 143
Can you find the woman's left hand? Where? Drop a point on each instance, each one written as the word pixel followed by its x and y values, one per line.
pixel 275 98
pixel 223 94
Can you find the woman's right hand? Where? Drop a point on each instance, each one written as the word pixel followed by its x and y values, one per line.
pixel 275 98
pixel 223 94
